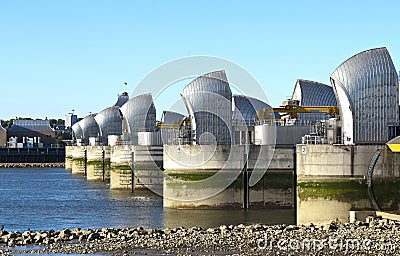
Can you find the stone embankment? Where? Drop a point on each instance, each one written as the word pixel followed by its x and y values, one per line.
pixel 378 237
pixel 32 165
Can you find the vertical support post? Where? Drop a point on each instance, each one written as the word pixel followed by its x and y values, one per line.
pixel 295 183
pixel 133 171
pixel 352 160
pixel 103 156
pixel 245 182
pixel 85 160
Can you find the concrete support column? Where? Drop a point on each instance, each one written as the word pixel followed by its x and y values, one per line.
pixel 78 160
pixel 120 167
pixel 68 158
pixel 98 163
pixel 193 163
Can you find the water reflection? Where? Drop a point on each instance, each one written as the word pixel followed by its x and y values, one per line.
pixel 213 218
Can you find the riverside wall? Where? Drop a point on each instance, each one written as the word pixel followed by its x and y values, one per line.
pixel 32 165
pixel 32 155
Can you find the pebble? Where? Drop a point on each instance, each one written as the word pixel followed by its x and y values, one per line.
pixel 382 235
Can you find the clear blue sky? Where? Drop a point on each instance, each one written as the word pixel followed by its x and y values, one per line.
pixel 61 55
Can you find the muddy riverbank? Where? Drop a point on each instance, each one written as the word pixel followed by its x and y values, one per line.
pixel 378 237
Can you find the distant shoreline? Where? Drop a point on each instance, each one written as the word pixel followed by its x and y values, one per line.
pixel 32 165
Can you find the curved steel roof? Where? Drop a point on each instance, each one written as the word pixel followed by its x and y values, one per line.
pixel 76 128
pixel 246 109
pixel 366 86
pixel 89 126
pixel 208 100
pixel 122 99
pixel 140 115
pixel 110 122
pixel 170 117
pixel 311 93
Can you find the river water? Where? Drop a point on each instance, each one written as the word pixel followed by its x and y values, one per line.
pixel 52 198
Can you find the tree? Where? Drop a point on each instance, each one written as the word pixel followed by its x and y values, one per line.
pixel 7 123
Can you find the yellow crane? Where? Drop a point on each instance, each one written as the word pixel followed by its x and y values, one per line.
pixel 176 124
pixel 292 109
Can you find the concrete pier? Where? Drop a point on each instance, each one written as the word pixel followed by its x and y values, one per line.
pixel 322 182
pixel 117 163
pixel 68 158
pixel 148 168
pixel 98 162
pixel 145 162
pixel 332 180
pixel 209 176
pixel 120 167
pixel 78 160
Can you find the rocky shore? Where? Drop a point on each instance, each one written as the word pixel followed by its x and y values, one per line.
pixel 32 165
pixel 378 237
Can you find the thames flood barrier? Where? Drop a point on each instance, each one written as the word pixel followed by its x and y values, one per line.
pixel 322 152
